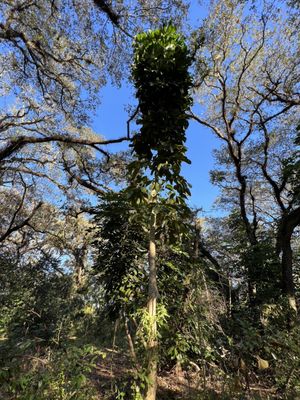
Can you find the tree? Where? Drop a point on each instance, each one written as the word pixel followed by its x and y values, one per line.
pixel 251 95
pixel 162 81
pixel 55 57
pixel 120 255
pixel 53 71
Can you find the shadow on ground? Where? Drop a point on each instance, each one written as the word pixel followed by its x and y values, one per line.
pixel 115 372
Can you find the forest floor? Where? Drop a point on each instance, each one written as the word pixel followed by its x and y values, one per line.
pixel 115 371
pixel 112 379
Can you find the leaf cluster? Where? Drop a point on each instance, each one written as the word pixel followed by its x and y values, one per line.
pixel 119 253
pixel 162 82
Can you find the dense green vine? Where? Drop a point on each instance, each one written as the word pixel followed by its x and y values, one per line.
pixel 162 82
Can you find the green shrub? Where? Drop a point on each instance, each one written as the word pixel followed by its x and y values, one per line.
pixel 63 374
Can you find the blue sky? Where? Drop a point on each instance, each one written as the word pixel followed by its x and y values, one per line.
pixel 110 121
pixel 111 118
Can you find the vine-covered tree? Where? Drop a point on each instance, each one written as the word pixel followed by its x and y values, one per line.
pixel 162 81
pixel 207 300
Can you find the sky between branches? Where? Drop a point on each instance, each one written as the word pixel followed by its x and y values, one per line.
pixel 111 117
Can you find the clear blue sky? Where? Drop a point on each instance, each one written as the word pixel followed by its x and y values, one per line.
pixel 110 121
pixel 111 118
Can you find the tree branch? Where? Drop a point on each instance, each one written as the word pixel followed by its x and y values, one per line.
pixel 17 144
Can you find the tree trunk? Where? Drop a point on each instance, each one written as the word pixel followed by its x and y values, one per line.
pixel 285 231
pixel 152 300
pixel 131 345
pixel 80 261
pixel 288 286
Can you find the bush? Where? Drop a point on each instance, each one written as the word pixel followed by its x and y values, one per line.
pixel 63 374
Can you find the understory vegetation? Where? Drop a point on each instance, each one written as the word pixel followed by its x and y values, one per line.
pixel 112 285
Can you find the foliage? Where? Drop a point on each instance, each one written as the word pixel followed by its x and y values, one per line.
pixel 241 103
pixel 263 269
pixel 120 254
pixel 291 170
pixel 40 313
pixel 54 374
pixel 262 350
pixel 162 82
pixel 55 57
pixel 36 302
pixel 67 280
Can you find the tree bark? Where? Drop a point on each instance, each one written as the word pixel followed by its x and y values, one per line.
pixel 131 345
pixel 285 231
pixel 287 272
pixel 80 261
pixel 236 152
pixel 151 306
pixel 214 274
pixel 17 144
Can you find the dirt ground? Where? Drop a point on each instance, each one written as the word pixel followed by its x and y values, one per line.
pixel 115 370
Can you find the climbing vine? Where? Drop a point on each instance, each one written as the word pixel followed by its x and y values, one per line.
pixel 162 82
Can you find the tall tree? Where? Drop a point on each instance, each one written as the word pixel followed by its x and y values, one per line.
pixel 251 94
pixel 54 58
pixel 162 81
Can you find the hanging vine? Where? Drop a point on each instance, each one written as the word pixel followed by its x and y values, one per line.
pixel 162 82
